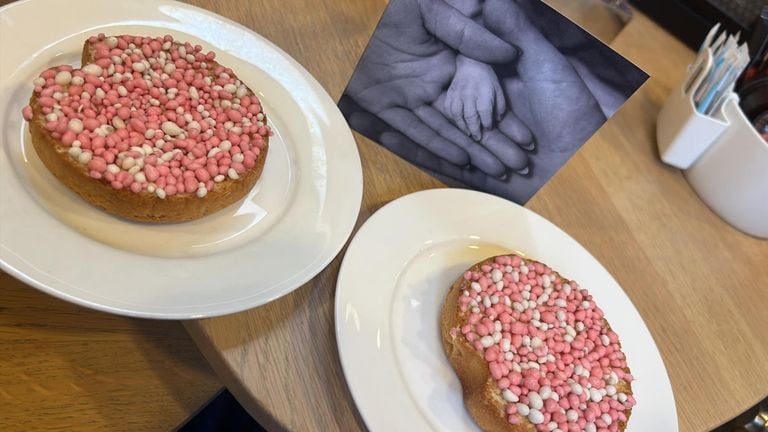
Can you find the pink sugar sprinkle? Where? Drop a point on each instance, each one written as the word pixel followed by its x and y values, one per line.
pixel 576 357
pixel 121 108
pixel 27 113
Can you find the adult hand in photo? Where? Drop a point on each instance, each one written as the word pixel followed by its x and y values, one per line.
pixel 411 60
pixel 476 103
pixel 545 91
pixel 404 147
pixel 500 148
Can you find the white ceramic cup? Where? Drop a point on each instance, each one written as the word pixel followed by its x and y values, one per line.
pixel 731 176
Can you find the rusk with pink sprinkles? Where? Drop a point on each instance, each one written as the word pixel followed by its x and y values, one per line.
pixel 152 117
pixel 533 351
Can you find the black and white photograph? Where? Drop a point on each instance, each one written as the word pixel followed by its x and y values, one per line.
pixel 493 95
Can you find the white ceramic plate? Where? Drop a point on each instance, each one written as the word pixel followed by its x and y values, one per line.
pixel 391 287
pixel 287 230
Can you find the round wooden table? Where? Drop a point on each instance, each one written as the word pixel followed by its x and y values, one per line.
pixel 699 284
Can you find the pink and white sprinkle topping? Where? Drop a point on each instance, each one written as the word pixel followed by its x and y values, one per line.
pixel 547 346
pixel 153 115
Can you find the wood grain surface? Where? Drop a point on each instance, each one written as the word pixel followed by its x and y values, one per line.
pixel 698 283
pixel 66 368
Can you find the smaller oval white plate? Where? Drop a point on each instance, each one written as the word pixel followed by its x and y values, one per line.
pixel 391 287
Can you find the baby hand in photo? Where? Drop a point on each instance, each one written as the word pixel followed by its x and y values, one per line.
pixel 475 98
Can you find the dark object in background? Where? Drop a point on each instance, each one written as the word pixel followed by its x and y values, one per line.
pixel 754 103
pixel 754 419
pixel 758 52
pixel 690 20
pixel 222 414
pixel 758 43
pixel 753 84
pixel 754 98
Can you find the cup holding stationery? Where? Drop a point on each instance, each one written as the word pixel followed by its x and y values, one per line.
pixel 702 130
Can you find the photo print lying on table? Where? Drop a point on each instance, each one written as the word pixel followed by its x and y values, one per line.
pixel 495 95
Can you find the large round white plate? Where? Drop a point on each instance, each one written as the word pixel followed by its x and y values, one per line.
pixel 287 230
pixel 391 287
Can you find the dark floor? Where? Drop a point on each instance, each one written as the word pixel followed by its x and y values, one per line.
pixel 222 414
pixel 754 419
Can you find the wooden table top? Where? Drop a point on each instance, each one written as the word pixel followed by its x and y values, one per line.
pixel 695 280
pixel 65 368
pixel 698 283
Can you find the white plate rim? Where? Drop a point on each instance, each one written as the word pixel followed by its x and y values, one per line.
pixel 345 148
pixel 363 400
